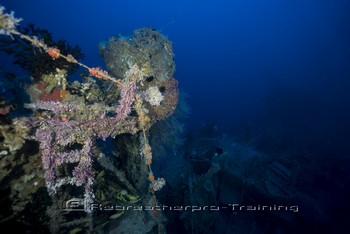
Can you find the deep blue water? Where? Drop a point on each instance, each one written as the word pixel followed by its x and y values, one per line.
pixel 229 54
pixel 272 66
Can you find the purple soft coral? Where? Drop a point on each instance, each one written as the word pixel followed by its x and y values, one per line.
pixel 55 134
pixel 127 95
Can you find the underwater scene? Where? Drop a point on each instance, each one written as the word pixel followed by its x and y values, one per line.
pixel 175 116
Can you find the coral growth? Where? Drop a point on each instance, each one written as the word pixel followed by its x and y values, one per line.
pixel 78 123
pixel 170 93
pixel 75 127
pixel 56 133
pixel 152 53
pixel 149 49
pixel 8 22
pixel 127 97
pixel 14 135
pixel 38 63
pixel 153 96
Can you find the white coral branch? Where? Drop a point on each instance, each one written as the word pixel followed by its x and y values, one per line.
pixel 8 22
pixel 153 96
